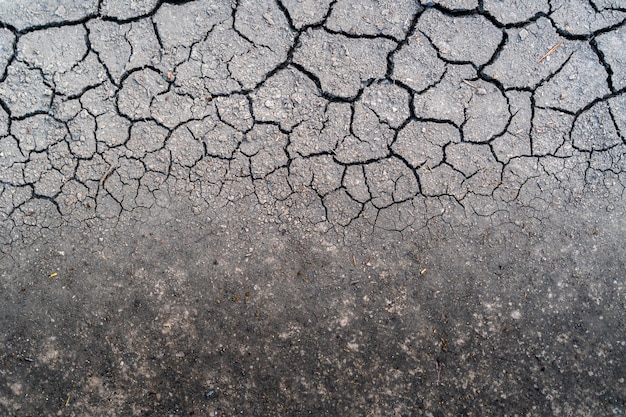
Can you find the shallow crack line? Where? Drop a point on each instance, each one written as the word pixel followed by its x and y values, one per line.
pixel 51 25
pixel 322 93
pixel 602 58
pixel 360 36
pixel 587 36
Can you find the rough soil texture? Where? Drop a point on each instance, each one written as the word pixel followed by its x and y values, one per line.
pixel 312 207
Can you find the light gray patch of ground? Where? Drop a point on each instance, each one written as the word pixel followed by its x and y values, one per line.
pixel 579 18
pixel 443 180
pixel 109 41
pixel 25 91
pixel 595 129
pixel 64 108
pixel 520 63
pixel 550 131
pixel 390 181
pixel 342 64
pixel 369 140
pixel 447 99
pixel 85 74
pixel 264 24
pixel 11 197
pixel 220 140
pixel 4 122
pixel 273 188
pixel 416 63
pixel 146 137
pixel 456 37
pixel 180 26
pixel 224 63
pixel 421 143
pixel 185 149
pixel 341 207
pixel 397 218
pixel 579 82
pixel 391 18
pixel 319 173
pixel 38 172
pixel 11 175
pixel 265 145
pixel 99 100
pixel 609 167
pixel 158 163
pixel 82 135
pixel 112 129
pixel 306 12
pixel 6 49
pixel 478 164
pixel 355 184
pixel 90 171
pixel 207 71
pixel 487 113
pixel 321 135
pixel 389 102
pixel 608 4
pixel 67 47
pixel 145 49
pixel 39 212
pixel 612 46
pixel 515 11
pixel 37 133
pixel 24 14
pixel 123 183
pixel 515 141
pixel 124 47
pixel 302 102
pixel 171 109
pixel 124 9
pixel 138 92
pixel 235 111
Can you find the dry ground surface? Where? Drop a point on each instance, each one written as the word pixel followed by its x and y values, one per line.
pixel 312 207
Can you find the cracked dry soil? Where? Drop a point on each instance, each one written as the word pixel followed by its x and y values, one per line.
pixel 312 207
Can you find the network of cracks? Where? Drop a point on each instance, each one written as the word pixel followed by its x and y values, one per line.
pixel 326 111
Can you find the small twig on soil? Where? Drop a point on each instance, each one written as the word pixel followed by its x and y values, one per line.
pixel 551 51
pixel 106 174
pixel 438 367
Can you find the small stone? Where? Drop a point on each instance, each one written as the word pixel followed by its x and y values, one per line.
pixel 523 34
pixel 268 19
pixel 60 11
pixel 211 394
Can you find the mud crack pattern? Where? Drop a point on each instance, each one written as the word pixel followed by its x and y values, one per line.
pixel 388 114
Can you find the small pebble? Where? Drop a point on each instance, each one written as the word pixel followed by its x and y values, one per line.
pixel 523 34
pixel 211 394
